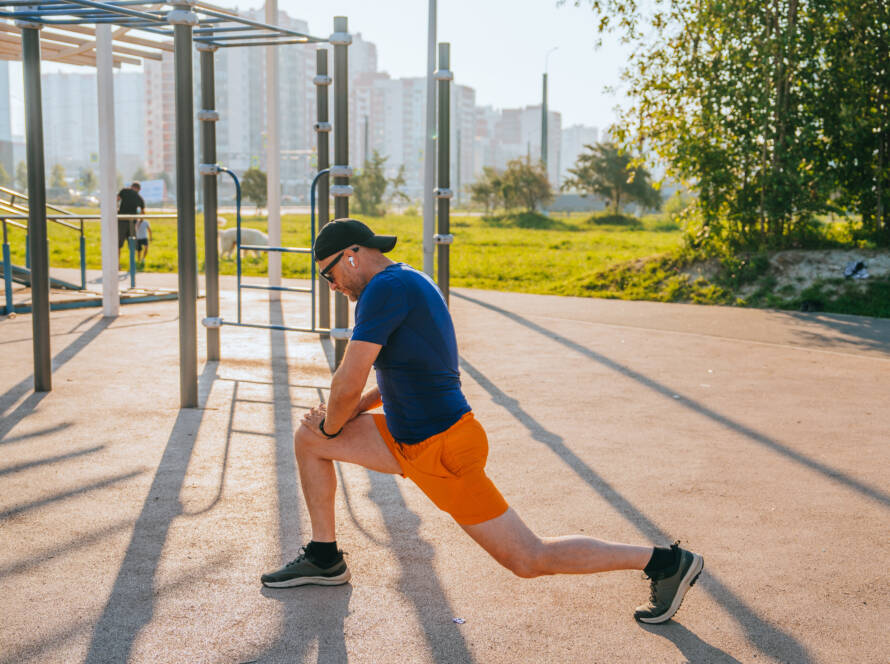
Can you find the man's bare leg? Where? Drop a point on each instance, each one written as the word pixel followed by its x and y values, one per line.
pixel 509 541
pixel 359 443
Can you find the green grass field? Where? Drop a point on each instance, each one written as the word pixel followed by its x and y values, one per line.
pixel 485 254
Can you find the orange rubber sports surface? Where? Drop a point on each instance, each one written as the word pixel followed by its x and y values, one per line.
pixel 450 469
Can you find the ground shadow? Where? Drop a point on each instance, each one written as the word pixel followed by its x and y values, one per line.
pixel 418 581
pixel 26 407
pixel 686 402
pixel 860 332
pixel 131 604
pixel 310 615
pixel 768 638
pixel 695 651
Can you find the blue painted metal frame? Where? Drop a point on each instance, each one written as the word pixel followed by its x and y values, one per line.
pixel 291 250
pixel 119 12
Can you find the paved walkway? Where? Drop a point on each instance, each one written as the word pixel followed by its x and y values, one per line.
pixel 136 531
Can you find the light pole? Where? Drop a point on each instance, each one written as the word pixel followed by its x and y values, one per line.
pixel 544 113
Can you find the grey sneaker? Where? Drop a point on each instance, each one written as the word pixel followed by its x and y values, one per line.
pixel 302 571
pixel 667 591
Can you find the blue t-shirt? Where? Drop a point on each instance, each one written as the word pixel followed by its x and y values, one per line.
pixel 417 369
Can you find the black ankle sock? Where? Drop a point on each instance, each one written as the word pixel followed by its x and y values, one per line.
pixel 323 553
pixel 663 562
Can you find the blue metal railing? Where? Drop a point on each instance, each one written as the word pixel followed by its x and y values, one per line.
pixel 217 322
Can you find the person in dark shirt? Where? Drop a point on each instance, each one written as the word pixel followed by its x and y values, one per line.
pixel 128 202
pixel 428 433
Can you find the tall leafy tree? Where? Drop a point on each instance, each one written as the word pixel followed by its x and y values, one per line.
pixel 5 180
pixel 526 185
pixel 254 186
pixel 752 103
pixel 21 176
pixel 88 180
pixel 605 170
pixel 369 186
pixel 57 176
pixel 397 194
pixel 486 190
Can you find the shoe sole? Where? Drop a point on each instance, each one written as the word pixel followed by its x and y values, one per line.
pixel 310 580
pixel 692 574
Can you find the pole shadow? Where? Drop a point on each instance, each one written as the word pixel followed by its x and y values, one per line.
pixel 310 615
pixel 417 580
pixel 765 636
pixel 26 407
pixel 130 606
pixel 860 332
pixel 826 471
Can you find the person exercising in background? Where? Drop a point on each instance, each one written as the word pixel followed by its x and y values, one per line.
pixel 128 202
pixel 428 433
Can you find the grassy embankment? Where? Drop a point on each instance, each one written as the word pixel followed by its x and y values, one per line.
pixel 576 255
pixel 486 254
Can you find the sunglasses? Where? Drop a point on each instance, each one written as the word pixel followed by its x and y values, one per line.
pixel 326 272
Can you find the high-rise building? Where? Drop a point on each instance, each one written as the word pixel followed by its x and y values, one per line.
pixel 574 139
pixel 6 156
pixel 70 121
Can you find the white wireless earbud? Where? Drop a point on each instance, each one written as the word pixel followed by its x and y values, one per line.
pixel 351 261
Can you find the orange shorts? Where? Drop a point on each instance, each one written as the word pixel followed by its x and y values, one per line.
pixel 450 469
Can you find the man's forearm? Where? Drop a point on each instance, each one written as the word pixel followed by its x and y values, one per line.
pixel 340 407
pixel 371 399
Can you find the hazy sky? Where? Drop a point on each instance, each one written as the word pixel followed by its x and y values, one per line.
pixel 498 47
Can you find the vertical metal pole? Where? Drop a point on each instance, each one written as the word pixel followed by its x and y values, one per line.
pixel 341 40
pixel 37 238
pixel 131 245
pixel 111 250
pixel 323 130
pixel 273 157
pixel 7 271
pixel 83 259
pixel 429 157
pixel 208 157
pixel 182 21
pixel 544 126
pixel 443 192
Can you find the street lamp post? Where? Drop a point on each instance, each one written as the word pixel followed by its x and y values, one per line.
pixel 544 113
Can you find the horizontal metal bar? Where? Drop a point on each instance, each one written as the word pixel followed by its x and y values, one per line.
pixel 13 223
pixel 198 9
pixel 112 9
pixel 283 328
pixel 234 28
pixel 278 42
pixel 288 289
pixel 283 250
pixel 96 217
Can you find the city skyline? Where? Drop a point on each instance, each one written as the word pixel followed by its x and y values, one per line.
pixel 577 72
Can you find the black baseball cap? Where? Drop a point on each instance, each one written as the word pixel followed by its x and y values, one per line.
pixel 339 234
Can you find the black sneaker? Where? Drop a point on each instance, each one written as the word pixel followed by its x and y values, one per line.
pixel 667 591
pixel 302 571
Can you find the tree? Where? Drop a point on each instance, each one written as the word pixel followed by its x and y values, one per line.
pixel 21 176
pixel 88 180
pixel 369 186
pixel 525 185
pixel 753 105
pixel 57 177
pixel 397 194
pixel 604 170
pixel 5 180
pixel 254 186
pixel 140 175
pixel 486 190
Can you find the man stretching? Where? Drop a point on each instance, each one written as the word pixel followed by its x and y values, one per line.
pixel 427 433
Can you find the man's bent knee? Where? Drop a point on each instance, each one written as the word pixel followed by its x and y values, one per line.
pixel 304 439
pixel 523 564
